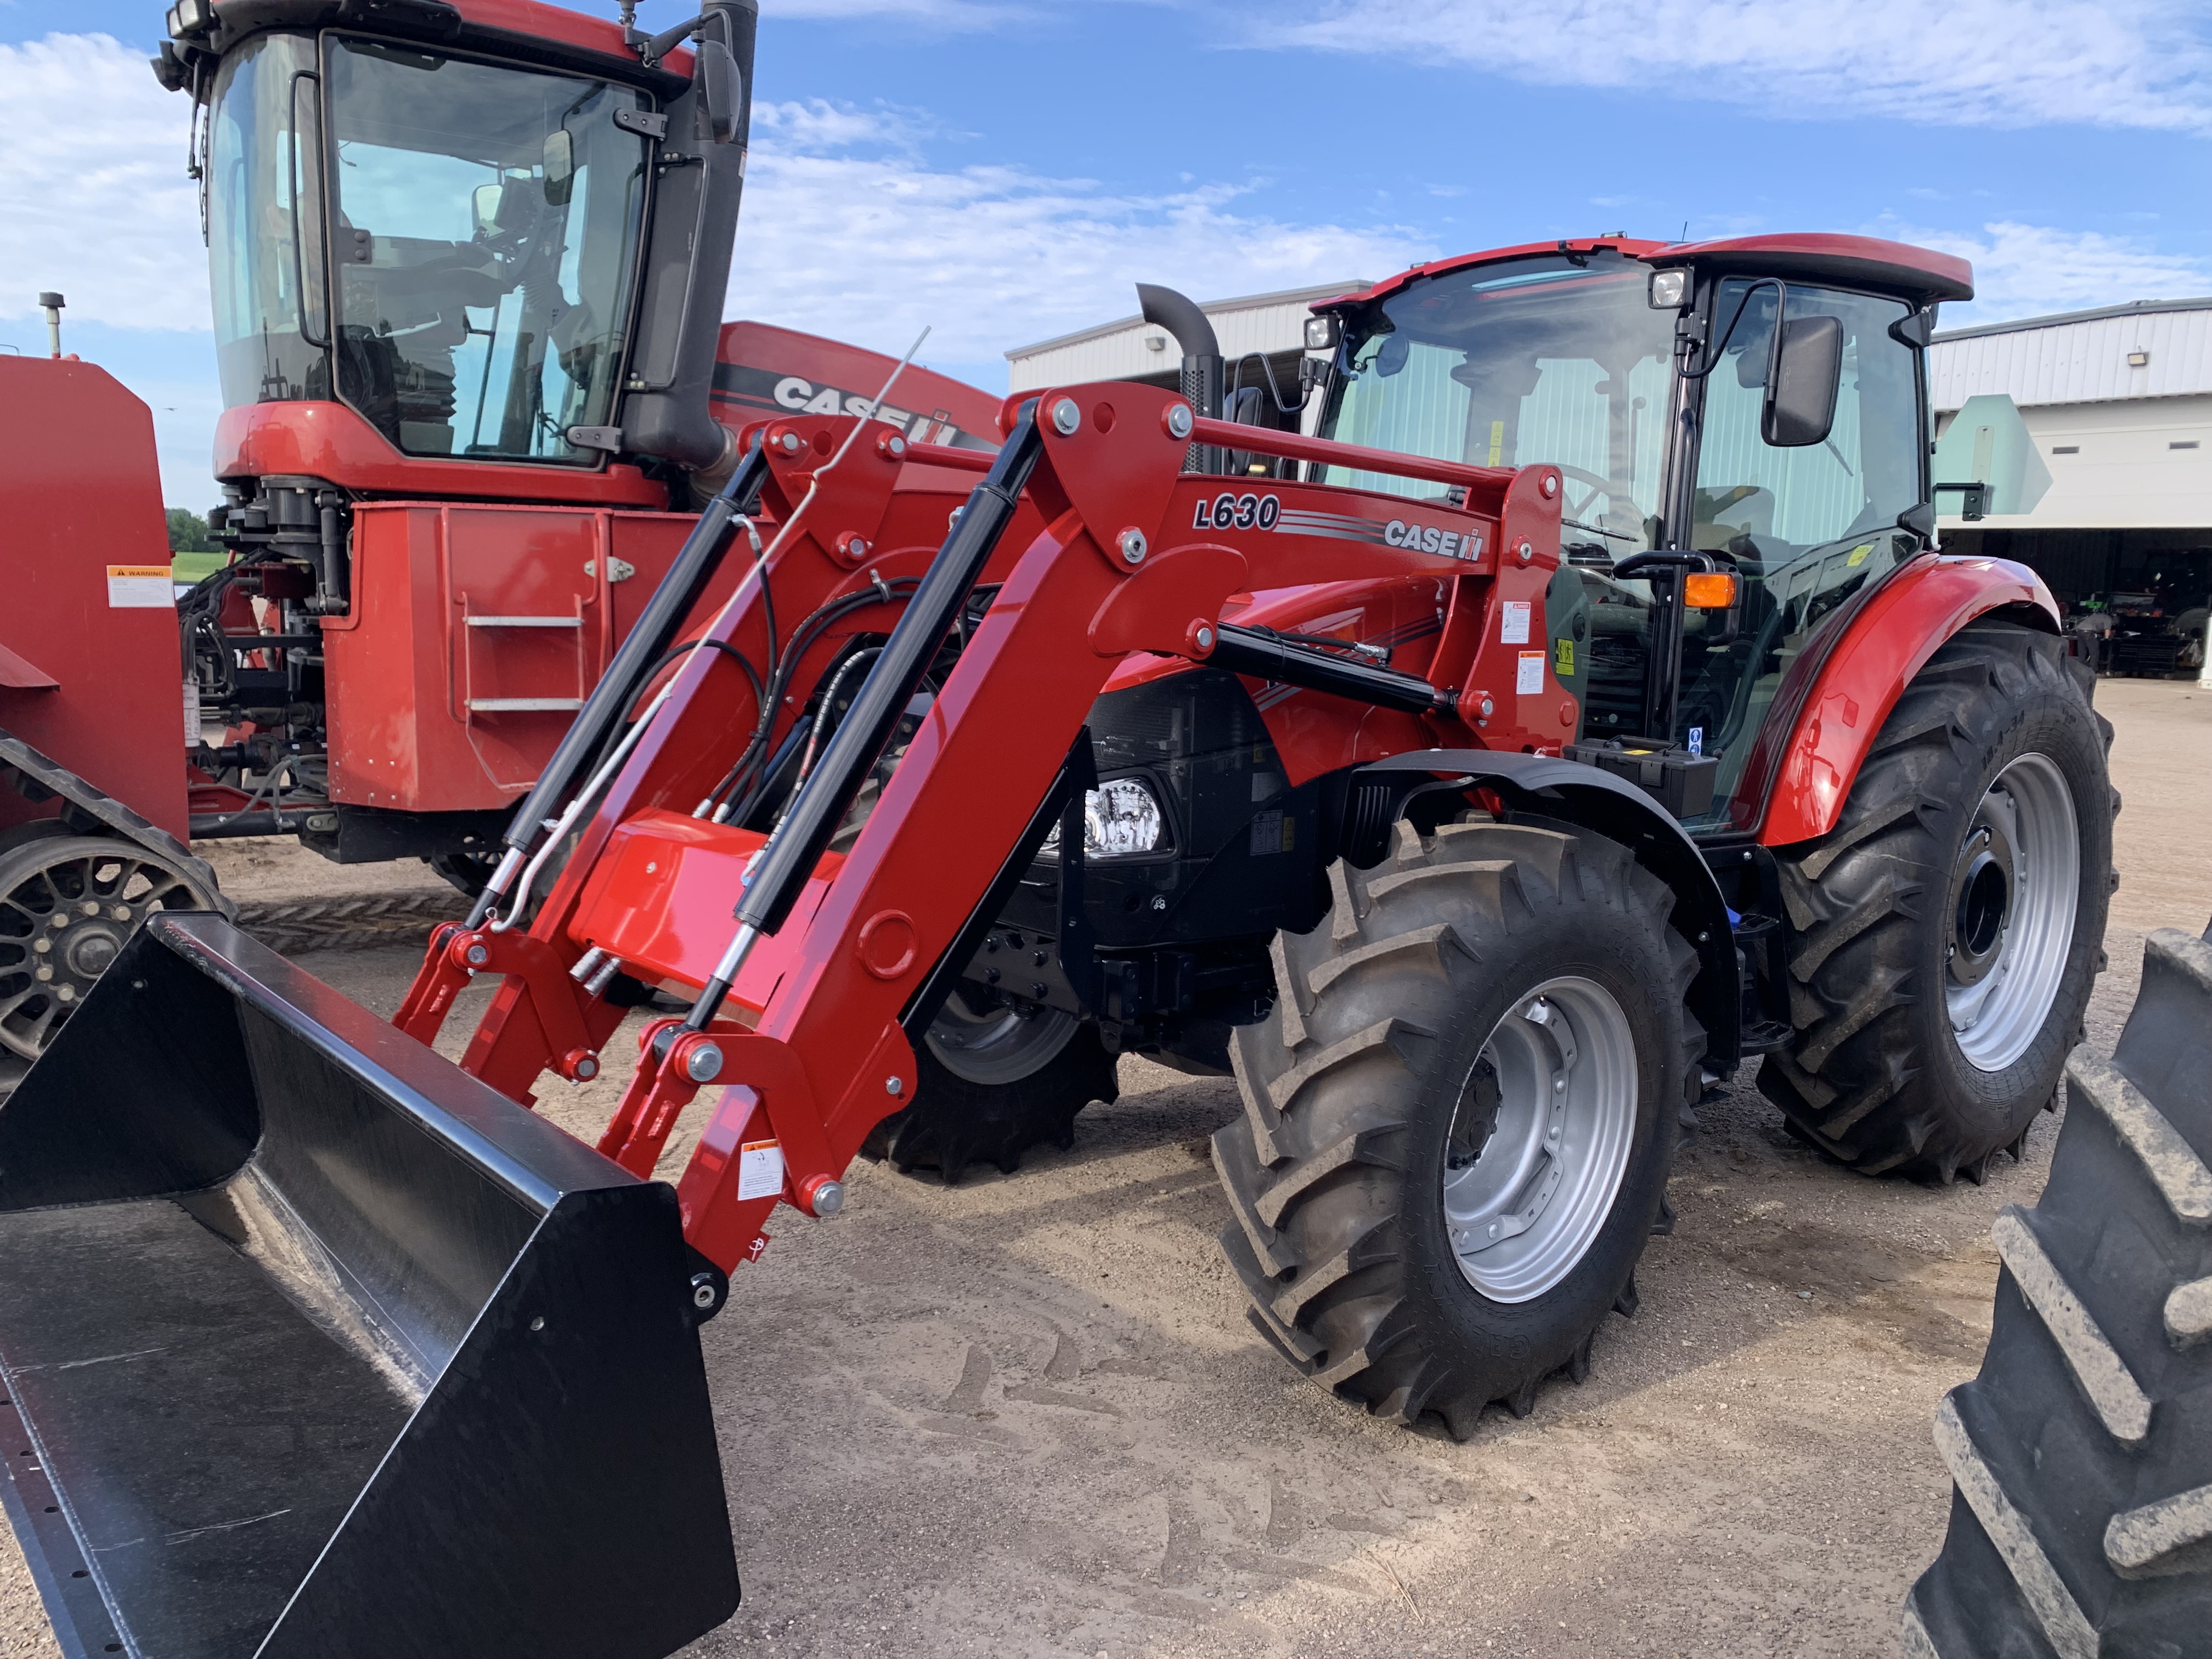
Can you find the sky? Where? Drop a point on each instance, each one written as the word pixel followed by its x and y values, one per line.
pixel 1003 170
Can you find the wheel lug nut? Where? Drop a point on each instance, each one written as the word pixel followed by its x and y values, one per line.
pixel 90 906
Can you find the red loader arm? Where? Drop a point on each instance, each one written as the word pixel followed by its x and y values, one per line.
pixel 1120 553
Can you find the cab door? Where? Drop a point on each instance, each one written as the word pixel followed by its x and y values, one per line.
pixel 1804 526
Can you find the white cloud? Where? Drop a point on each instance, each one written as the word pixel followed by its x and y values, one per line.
pixel 2029 271
pixel 1974 63
pixel 870 247
pixel 93 189
pixel 943 14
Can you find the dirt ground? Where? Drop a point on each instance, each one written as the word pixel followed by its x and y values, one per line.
pixel 1026 1416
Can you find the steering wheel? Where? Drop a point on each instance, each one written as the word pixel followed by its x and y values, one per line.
pixel 1599 486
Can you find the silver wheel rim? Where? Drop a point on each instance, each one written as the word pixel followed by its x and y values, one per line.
pixel 993 1044
pixel 1540 1139
pixel 2015 885
pixel 66 909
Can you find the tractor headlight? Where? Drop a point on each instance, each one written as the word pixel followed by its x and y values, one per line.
pixel 1120 817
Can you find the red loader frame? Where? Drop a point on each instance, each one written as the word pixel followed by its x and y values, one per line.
pixel 831 966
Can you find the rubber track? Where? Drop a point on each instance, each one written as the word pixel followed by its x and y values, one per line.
pixel 1312 1170
pixel 2081 1454
pixel 353 923
pixel 1859 903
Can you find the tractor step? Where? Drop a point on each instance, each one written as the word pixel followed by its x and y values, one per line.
pixel 314 1345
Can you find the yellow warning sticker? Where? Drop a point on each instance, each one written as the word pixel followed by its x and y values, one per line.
pixel 1858 556
pixel 1563 657
pixel 140 587
pixel 1497 441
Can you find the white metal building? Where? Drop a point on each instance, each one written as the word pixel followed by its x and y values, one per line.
pixel 2118 402
pixel 1269 326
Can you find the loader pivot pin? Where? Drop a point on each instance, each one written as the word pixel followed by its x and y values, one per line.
pixel 1065 417
pixel 823 1196
pixel 1179 419
pixel 704 1064
pixel 1133 545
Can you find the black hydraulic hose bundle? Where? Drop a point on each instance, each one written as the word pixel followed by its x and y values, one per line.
pixel 695 564
pixel 791 854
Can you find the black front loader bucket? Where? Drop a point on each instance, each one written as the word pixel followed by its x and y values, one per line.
pixel 314 1347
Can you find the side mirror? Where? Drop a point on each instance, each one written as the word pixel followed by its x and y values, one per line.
pixel 1800 405
pixel 483 207
pixel 716 70
pixel 560 167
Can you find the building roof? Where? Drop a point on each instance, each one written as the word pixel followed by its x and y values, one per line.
pixel 2079 356
pixel 2057 319
pixel 1211 307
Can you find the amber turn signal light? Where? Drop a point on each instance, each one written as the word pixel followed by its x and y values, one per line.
pixel 1709 591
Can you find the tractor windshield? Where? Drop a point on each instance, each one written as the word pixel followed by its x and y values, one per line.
pixel 458 239
pixel 1554 359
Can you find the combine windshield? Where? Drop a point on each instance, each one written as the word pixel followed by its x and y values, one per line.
pixel 1549 359
pixel 458 239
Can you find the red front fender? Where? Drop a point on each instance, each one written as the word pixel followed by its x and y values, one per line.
pixel 1812 745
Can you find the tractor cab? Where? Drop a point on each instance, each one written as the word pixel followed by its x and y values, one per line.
pixel 1749 411
pixel 459 270
pixel 461 248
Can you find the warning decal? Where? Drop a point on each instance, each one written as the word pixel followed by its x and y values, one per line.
pixel 1529 676
pixel 1513 627
pixel 140 587
pixel 760 1169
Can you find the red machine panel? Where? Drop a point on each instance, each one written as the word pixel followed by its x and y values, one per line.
pixel 1812 758
pixel 89 672
pixel 475 634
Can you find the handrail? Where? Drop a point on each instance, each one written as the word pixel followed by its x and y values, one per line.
pixel 960 461
pixel 1293 446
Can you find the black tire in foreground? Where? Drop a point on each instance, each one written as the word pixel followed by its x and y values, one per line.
pixel 1944 936
pixel 1460 1117
pixel 2082 1515
pixel 992 1083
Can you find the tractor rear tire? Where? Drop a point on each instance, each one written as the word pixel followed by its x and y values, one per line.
pixel 1423 1227
pixel 2081 1454
pixel 1944 936
pixel 1014 1090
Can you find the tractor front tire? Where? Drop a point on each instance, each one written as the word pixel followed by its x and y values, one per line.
pixel 991 1084
pixel 1944 936
pixel 1460 1117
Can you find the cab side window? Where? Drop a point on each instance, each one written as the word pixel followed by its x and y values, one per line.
pixel 1804 528
pixel 1782 503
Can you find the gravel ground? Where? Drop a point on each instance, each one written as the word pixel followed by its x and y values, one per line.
pixel 1026 1416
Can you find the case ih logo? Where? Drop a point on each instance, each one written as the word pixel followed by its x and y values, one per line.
pixel 769 393
pixel 794 393
pixel 1249 512
pixel 1430 539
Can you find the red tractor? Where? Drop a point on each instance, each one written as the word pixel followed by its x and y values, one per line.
pixel 1584 711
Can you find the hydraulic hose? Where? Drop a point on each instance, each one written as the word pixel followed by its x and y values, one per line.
pixel 797 846
pixel 695 567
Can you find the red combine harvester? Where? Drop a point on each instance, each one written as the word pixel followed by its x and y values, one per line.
pixel 473 384
pixel 1584 711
